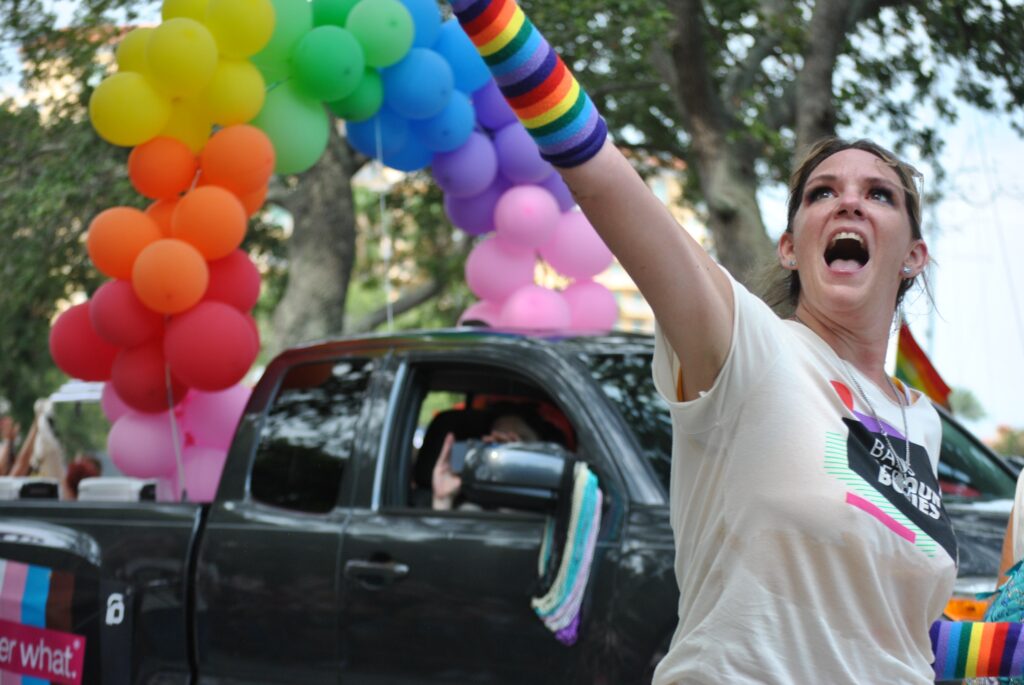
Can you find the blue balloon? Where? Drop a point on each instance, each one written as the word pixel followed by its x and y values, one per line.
pixel 471 73
pixel 394 132
pixel 451 128
pixel 420 85
pixel 412 157
pixel 426 21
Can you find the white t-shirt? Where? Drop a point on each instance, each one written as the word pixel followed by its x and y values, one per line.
pixel 797 559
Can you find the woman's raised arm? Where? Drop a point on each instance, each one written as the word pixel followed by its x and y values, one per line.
pixel 690 295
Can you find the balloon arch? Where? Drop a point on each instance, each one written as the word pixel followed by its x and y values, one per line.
pixel 214 100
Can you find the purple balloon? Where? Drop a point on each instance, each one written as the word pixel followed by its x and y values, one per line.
pixel 537 308
pixel 519 159
pixel 475 214
pixel 492 110
pixel 592 307
pixel 556 186
pixel 493 273
pixel 467 170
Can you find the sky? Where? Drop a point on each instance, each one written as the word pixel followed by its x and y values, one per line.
pixel 975 332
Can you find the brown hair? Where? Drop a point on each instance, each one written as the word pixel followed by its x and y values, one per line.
pixel 780 286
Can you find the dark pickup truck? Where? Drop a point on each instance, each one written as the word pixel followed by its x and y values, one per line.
pixel 321 561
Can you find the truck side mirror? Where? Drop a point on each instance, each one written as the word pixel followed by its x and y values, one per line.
pixel 517 475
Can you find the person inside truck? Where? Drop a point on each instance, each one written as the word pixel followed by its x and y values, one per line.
pixel 511 424
pixel 811 541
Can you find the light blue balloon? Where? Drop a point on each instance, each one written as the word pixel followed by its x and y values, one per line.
pixel 470 70
pixel 394 132
pixel 420 85
pixel 426 21
pixel 413 156
pixel 451 128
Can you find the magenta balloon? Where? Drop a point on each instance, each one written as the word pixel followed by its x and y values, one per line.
pixel 519 159
pixel 111 403
pixel 493 273
pixel 120 318
pixel 525 217
pixel 143 445
pixel 210 418
pixel 556 186
pixel 475 215
pixel 234 280
pixel 492 110
pixel 592 307
pixel 468 170
pixel 487 312
pixel 576 250
pixel 537 308
pixel 203 468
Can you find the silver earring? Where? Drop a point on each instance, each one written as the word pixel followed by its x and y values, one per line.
pixel 906 270
pixel 792 262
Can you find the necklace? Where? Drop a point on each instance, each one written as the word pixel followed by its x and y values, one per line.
pixel 898 479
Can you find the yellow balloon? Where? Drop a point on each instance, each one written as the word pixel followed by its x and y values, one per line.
pixel 189 9
pixel 235 94
pixel 131 52
pixel 127 110
pixel 182 56
pixel 188 123
pixel 241 27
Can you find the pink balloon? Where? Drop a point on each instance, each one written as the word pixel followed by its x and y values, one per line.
pixel 592 307
pixel 111 403
pixel 485 311
pixel 203 467
pixel 526 217
pixel 210 418
pixel 535 307
pixel 494 273
pixel 576 250
pixel 142 445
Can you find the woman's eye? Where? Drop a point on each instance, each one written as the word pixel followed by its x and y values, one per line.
pixel 881 195
pixel 818 193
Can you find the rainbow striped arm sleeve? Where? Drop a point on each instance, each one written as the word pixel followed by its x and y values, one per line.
pixel 542 91
pixel 977 650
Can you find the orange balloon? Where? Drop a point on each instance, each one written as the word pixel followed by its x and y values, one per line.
pixel 116 237
pixel 239 158
pixel 170 276
pixel 162 167
pixel 211 219
pixel 253 201
pixel 160 212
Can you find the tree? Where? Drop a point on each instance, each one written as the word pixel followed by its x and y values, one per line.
pixel 965 404
pixel 1009 442
pixel 736 88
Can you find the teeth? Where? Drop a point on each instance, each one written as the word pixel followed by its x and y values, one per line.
pixel 843 235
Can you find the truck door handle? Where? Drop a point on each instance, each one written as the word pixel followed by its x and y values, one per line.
pixel 375 574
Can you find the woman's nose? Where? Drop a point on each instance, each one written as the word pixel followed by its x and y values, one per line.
pixel 849 203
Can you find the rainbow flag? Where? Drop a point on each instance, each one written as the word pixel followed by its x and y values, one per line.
pixel 914 368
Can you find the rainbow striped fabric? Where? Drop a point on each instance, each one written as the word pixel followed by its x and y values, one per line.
pixel 977 650
pixel 914 368
pixel 544 94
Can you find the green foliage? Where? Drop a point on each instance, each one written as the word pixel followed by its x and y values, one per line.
pixel 966 405
pixel 1009 441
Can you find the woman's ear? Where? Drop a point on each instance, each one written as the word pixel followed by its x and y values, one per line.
pixel 917 258
pixel 787 256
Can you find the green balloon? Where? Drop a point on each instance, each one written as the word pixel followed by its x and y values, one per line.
pixel 364 101
pixel 297 125
pixel 293 19
pixel 332 12
pixel 384 28
pixel 328 63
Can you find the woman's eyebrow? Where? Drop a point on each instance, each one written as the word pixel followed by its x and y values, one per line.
pixel 871 180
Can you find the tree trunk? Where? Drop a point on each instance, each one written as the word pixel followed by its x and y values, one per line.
pixel 321 250
pixel 815 109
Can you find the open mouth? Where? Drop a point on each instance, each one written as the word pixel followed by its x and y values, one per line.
pixel 846 252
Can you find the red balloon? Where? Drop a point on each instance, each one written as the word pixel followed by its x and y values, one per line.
pixel 120 318
pixel 76 348
pixel 211 346
pixel 140 378
pixel 234 280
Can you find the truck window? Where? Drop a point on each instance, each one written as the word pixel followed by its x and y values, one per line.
pixel 307 437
